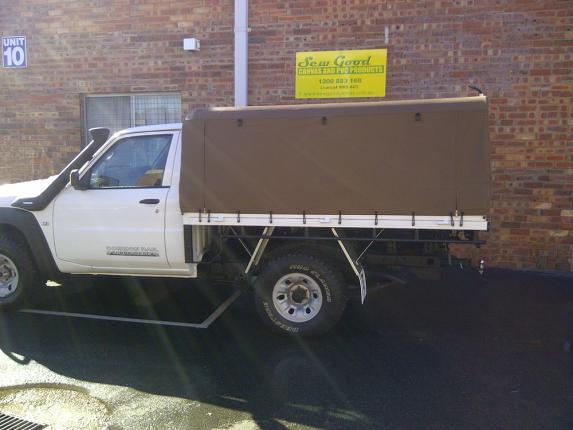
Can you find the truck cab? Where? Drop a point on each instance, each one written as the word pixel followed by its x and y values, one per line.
pixel 125 205
pixel 123 217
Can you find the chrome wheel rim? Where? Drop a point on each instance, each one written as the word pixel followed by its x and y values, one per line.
pixel 8 277
pixel 297 297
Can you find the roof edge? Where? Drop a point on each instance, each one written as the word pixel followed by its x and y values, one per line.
pixel 310 108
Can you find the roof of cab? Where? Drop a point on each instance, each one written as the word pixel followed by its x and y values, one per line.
pixel 150 128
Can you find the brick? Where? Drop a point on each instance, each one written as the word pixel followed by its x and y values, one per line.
pixel 559 233
pixel 542 205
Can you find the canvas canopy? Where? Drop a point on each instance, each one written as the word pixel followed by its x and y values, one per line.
pixel 429 157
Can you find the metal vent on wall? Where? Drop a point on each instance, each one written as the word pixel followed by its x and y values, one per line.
pixel 8 422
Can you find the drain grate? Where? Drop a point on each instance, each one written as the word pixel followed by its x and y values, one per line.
pixel 12 423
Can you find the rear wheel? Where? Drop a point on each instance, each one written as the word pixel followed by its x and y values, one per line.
pixel 300 294
pixel 18 275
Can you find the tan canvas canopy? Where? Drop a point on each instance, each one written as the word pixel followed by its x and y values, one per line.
pixel 430 157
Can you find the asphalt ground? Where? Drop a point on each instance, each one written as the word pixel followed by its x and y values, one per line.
pixel 465 352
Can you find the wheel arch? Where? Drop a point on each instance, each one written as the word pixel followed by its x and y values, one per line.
pixel 24 227
pixel 330 252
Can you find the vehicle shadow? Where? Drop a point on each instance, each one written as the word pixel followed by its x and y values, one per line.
pixel 445 354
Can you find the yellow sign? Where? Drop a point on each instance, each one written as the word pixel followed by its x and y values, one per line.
pixel 334 74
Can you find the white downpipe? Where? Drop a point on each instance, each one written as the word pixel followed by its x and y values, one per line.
pixel 241 52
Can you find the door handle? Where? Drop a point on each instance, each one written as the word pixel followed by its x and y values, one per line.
pixel 149 201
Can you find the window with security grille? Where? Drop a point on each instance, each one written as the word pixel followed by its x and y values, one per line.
pixel 119 111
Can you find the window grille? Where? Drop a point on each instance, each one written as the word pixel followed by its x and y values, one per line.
pixel 119 111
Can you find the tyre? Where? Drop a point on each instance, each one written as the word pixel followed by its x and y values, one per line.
pixel 18 274
pixel 300 294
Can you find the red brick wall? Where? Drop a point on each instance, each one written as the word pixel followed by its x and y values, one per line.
pixel 102 46
pixel 520 52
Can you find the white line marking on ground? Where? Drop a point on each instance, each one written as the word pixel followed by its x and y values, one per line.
pixel 205 324
pixel 222 307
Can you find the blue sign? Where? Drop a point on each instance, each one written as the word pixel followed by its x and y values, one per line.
pixel 14 53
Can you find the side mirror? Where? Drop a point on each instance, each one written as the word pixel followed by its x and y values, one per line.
pixel 75 180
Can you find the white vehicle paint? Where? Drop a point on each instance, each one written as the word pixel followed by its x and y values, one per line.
pixel 9 192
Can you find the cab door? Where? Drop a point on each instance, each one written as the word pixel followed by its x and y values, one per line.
pixel 116 222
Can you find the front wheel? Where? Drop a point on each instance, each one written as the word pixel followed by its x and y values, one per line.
pixel 300 294
pixel 18 274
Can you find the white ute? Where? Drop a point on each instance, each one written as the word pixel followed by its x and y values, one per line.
pixel 118 209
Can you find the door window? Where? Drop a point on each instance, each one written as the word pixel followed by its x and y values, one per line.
pixel 137 161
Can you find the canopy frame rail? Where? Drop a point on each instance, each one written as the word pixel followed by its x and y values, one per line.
pixel 357 239
pixel 413 221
